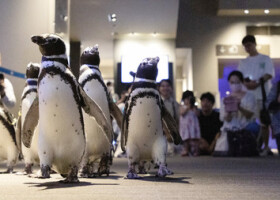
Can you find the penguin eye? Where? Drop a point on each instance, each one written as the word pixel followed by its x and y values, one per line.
pixel 52 40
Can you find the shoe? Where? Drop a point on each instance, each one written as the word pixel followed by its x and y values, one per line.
pixel 265 152
pixel 184 153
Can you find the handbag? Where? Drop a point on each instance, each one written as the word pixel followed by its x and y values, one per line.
pixel 264 114
pixel 242 143
pixel 221 147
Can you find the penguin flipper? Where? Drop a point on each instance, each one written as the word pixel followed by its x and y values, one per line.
pixel 116 113
pixel 94 110
pixel 18 133
pixel 30 123
pixel 124 135
pixel 170 126
pixel 124 129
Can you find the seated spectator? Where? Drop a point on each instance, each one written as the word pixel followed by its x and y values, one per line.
pixel 209 123
pixel 237 111
pixel 189 125
pixel 166 93
pixel 273 104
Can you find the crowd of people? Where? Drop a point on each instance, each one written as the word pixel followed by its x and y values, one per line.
pixel 237 128
pixel 241 126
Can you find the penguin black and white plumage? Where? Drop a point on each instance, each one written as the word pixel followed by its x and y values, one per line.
pixel 58 109
pixel 144 119
pixel 98 145
pixel 29 94
pixel 8 144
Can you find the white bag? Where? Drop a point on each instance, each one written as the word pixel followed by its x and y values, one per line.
pixel 221 147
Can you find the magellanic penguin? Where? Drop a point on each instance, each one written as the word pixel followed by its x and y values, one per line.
pixel 144 119
pixel 61 142
pixel 8 143
pixel 29 94
pixel 98 147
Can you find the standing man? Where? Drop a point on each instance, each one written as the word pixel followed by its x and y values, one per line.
pixel 255 67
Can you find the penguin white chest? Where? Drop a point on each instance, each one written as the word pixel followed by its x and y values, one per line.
pixel 60 119
pixel 145 124
pixel 97 143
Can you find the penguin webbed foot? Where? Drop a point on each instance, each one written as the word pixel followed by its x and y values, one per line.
pixel 163 171
pixel 28 168
pixel 104 165
pixel 10 170
pixel 88 171
pixel 142 170
pixel 88 175
pixel 131 174
pixel 72 176
pixel 45 172
pixel 70 180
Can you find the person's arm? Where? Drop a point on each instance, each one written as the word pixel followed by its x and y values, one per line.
pixel 248 114
pixel 224 115
pixel 7 95
pixel 183 110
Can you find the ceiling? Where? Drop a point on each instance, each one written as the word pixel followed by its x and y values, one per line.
pixel 89 22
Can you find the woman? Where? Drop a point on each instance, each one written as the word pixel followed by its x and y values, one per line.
pixel 237 112
pixel 166 93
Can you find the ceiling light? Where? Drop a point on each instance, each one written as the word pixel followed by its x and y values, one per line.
pixel 132 34
pixel 266 11
pixel 154 34
pixel 112 17
pixel 246 12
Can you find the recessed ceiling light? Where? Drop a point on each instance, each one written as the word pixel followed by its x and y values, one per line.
pixel 246 12
pixel 112 17
pixel 132 33
pixel 154 34
pixel 266 11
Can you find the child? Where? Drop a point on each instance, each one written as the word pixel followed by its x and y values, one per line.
pixel 189 125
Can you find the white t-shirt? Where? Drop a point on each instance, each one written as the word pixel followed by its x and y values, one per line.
pixel 255 67
pixel 239 121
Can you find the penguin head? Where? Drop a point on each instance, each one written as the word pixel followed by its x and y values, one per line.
pixel 49 44
pixel 32 70
pixel 90 56
pixel 148 68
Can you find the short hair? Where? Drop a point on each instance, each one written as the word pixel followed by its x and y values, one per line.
pixel 249 38
pixel 187 94
pixel 109 83
pixel 209 96
pixel 165 80
pixel 236 73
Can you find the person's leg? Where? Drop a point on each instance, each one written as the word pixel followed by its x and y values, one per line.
pixel 277 137
pixel 204 146
pixel 212 145
pixel 185 150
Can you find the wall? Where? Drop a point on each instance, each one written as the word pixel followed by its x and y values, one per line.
pixel 200 29
pixel 19 21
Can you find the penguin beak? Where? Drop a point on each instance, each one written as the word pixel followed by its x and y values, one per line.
pixel 38 40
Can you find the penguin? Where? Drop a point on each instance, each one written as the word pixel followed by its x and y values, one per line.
pixel 29 94
pixel 145 118
pixel 58 112
pixel 8 142
pixel 98 148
